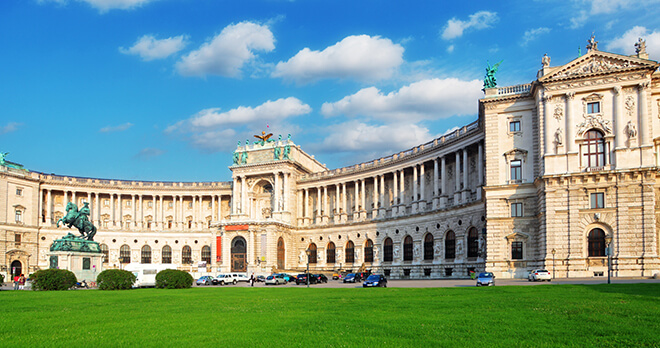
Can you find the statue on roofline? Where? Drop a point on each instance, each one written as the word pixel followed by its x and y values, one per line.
pixel 489 79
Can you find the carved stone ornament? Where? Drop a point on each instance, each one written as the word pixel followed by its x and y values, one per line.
pixel 595 65
pixel 640 46
pixel 630 105
pixel 594 121
pixel 559 112
pixel 559 137
pixel 631 130
pixel 515 154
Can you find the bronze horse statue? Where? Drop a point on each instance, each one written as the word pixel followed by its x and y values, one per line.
pixel 78 219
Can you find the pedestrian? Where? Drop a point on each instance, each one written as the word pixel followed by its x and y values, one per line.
pixel 252 280
pixel 21 282
pixel 16 277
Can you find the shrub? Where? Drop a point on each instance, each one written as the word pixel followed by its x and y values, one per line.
pixel 2 278
pixel 115 279
pixel 53 279
pixel 173 279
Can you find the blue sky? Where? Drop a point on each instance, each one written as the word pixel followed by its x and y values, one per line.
pixel 164 89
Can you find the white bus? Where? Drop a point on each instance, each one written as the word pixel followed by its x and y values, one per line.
pixel 145 274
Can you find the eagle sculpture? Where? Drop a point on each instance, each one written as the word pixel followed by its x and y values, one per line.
pixel 264 137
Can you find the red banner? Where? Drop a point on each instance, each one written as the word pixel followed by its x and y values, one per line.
pixel 236 228
pixel 218 250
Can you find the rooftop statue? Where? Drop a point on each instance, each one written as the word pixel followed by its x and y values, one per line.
pixel 640 46
pixel 489 80
pixel 264 137
pixel 2 157
pixel 79 219
pixel 592 44
pixel 4 162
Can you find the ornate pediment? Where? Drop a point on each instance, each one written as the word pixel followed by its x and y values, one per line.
pixel 598 63
pixel 517 235
pixel 515 154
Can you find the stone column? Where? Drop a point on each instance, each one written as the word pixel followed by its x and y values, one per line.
pixel 457 178
pixel 402 188
pixel 395 193
pixel 319 208
pixel 277 192
pixel 570 123
pixel 301 213
pixel 73 197
pixel 415 183
pixel 381 197
pixel 91 205
pixel 175 211
pixel 153 210
pixel 443 182
pixel 374 211
pixel 356 202
pixel 244 200
pixel 162 212
pixel 337 204
pixel 363 199
pixel 422 188
pixel 306 206
pixel 344 203
pixel 466 187
pixel 112 209
pixel 220 217
pixel 121 211
pixel 49 211
pixel 234 197
pixel 41 207
pixel 285 192
pixel 642 118
pixel 98 209
pixel 134 211
pixel 141 212
pixel 480 170
pixel 546 125
pixel 326 207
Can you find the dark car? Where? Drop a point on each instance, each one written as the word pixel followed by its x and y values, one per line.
pixel 289 278
pixel 321 278
pixel 375 280
pixel 260 279
pixel 351 278
pixel 302 278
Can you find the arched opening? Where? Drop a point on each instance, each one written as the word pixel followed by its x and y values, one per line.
pixel 596 241
pixel 407 248
pixel 125 254
pixel 146 254
pixel 331 253
pixel 312 253
pixel 186 255
pixel 280 253
pixel 388 250
pixel 106 252
pixel 206 254
pixel 167 254
pixel 16 268
pixel 450 245
pixel 473 243
pixel 238 254
pixel 350 252
pixel 369 251
pixel 593 150
pixel 428 247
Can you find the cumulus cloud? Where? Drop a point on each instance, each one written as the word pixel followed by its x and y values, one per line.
pixel 228 52
pixel 149 48
pixel 380 139
pixel 10 127
pixel 626 42
pixel 533 34
pixel 362 57
pixel 148 153
pixel 119 128
pixel 107 5
pixel 427 99
pixel 480 20
pixel 612 6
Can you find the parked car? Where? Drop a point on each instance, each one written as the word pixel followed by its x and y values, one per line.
pixel 539 274
pixel 275 279
pixel 375 280
pixel 351 278
pixel 486 279
pixel 302 278
pixel 260 279
pixel 225 279
pixel 321 278
pixel 289 278
pixel 336 276
pixel 204 280
pixel 241 277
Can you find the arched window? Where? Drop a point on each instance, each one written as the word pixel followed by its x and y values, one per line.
pixel 473 243
pixel 206 254
pixel 146 254
pixel 104 250
pixel 125 254
pixel 428 247
pixel 350 252
pixel 387 250
pixel 280 253
pixel 186 255
pixel 330 256
pixel 450 245
pixel 312 253
pixel 408 249
pixel 369 251
pixel 167 254
pixel 596 242
pixel 593 149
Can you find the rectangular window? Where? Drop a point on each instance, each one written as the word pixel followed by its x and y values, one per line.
pixel 19 216
pixel 598 200
pixel 19 191
pixel 170 204
pixel 211 205
pixel 128 204
pixel 517 250
pixel 17 238
pixel 514 126
pixel 150 204
pixel 516 170
pixel 593 108
pixel 106 202
pixel 190 205
pixel 516 209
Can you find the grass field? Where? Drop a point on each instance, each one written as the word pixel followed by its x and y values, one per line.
pixel 511 316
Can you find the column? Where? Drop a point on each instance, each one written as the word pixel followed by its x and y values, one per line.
pixel 141 212
pixel 66 193
pixel 415 184
pixel 402 187
pixel 49 211
pixel 395 193
pixel 285 191
pixel 162 213
pixel 214 208
pixel 363 199
pixel 381 197
pixel 480 170
pixel 112 210
pixel 121 211
pixel 569 122
pixel 244 200
pixel 175 211
pixel 466 186
pixel 457 177
pixel 220 217
pixel 344 203
pixel 153 210
pixel 133 211
pixel 98 209
pixel 337 204
pixel 41 208
pixel 356 200
pixel 422 188
pixel 546 124
pixel 234 197
pixel 73 197
pixel 436 177
pixel 318 205
pixel 194 211
pixel 326 214
pixel 443 181
pixel 307 215
pixel 301 213
pixel 374 211
pixel 278 198
pixel 642 118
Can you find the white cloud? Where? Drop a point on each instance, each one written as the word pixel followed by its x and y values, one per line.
pixel 148 48
pixel 611 6
pixel 480 20
pixel 381 139
pixel 450 49
pixel 626 42
pixel 228 51
pixel 360 57
pixel 148 153
pixel 427 99
pixel 532 34
pixel 120 128
pixel 107 5
pixel 10 127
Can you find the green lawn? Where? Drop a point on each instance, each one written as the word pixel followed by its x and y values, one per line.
pixel 511 316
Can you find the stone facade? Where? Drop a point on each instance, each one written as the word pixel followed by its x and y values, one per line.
pixel 532 183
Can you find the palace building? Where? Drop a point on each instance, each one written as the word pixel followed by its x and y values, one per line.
pixel 551 174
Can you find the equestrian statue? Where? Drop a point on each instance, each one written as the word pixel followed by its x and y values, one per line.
pixel 79 219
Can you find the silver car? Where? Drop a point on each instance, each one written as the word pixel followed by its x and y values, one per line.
pixel 486 279
pixel 275 279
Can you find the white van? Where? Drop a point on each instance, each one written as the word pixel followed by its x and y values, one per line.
pixel 145 274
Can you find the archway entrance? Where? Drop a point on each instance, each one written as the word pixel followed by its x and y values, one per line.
pixel 280 253
pixel 16 268
pixel 238 255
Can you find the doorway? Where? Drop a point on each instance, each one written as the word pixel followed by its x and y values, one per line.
pixel 280 253
pixel 238 255
pixel 16 268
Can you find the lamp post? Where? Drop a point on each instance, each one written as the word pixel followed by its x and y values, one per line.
pixel 553 262
pixel 608 251
pixel 308 252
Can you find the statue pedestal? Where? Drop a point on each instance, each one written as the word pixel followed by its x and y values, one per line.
pixel 85 265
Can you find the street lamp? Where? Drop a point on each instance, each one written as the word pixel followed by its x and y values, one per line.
pixel 308 252
pixel 553 262
pixel 608 251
